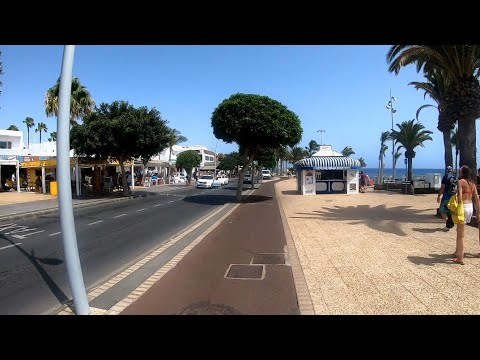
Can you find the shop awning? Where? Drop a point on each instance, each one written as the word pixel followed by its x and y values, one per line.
pixel 328 163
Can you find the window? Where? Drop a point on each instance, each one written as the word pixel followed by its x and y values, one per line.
pixel 5 144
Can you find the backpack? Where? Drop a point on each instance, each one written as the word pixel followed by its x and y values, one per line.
pixel 452 184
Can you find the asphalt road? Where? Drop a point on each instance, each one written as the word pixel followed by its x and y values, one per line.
pixel 33 275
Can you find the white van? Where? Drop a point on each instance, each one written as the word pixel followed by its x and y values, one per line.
pixel 266 175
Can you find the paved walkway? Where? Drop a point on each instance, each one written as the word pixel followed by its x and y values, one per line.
pixel 380 253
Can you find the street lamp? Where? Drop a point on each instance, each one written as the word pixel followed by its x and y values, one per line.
pixel 392 111
pixel 321 132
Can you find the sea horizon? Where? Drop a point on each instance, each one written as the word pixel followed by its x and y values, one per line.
pixel 400 172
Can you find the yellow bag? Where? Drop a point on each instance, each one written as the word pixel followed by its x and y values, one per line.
pixel 458 213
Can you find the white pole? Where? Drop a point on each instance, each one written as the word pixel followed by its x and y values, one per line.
pixel 133 179
pixel 77 178
pixel 67 220
pixel 44 188
pixel 18 175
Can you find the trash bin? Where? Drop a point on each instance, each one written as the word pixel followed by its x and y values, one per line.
pixel 53 188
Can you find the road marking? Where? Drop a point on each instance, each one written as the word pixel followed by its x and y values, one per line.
pixel 157 205
pixel 52 234
pixel 171 201
pixel 95 222
pixel 8 226
pixel 24 236
pixel 20 229
pixel 119 216
pixel 141 209
pixel 9 246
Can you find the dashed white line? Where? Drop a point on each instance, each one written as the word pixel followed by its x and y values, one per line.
pixel 157 205
pixel 95 222
pixel 24 236
pixel 141 209
pixel 119 216
pixel 171 201
pixel 56 233
pixel 9 246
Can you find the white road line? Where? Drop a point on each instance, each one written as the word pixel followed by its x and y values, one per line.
pixel 52 234
pixel 119 216
pixel 8 226
pixel 20 229
pixel 157 205
pixel 9 246
pixel 95 222
pixel 24 236
pixel 171 201
pixel 141 209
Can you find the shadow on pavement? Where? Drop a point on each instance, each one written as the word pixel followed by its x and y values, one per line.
pixel 255 198
pixel 210 200
pixel 427 230
pixel 290 192
pixel 36 262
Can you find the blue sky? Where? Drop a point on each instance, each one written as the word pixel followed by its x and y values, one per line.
pixel 340 89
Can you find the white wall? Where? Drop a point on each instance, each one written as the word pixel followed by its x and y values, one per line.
pixel 15 137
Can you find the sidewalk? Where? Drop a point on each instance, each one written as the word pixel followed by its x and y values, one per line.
pixel 239 268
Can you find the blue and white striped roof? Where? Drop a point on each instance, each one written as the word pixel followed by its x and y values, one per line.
pixel 328 163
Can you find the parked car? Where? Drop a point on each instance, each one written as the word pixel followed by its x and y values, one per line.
pixel 266 174
pixel 223 179
pixel 205 181
pixel 247 179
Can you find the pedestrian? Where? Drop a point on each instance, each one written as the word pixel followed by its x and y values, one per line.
pixel 129 180
pixel 448 188
pixel 467 190
pixel 187 180
pixel 362 181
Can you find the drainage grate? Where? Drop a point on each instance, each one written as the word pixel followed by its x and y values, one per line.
pixel 205 308
pixel 269 259
pixel 245 272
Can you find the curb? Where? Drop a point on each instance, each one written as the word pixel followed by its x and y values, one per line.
pixel 304 299
pixel 35 213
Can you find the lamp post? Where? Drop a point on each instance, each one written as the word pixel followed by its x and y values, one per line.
pixel 321 132
pixel 392 111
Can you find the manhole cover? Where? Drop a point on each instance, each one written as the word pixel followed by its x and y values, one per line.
pixel 269 259
pixel 245 272
pixel 205 308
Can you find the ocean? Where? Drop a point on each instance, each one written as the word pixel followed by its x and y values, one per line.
pixel 400 172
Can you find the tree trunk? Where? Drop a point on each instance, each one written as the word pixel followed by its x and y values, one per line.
pixel 241 175
pixel 124 177
pixel 381 168
pixel 411 189
pixel 447 143
pixel 467 145
pixel 28 135
pixel 252 166
pixel 456 163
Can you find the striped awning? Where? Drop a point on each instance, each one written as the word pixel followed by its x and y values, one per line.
pixel 328 163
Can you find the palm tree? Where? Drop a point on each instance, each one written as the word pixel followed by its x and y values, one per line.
pixel 383 148
pixel 41 127
pixel 281 154
pixel 30 123
pixel 409 135
pixel 460 67
pixel 53 136
pixel 455 141
pixel 297 154
pixel 362 162
pixel 397 156
pixel 435 88
pixel 312 147
pixel 347 151
pixel 13 128
pixel 81 102
pixel 174 138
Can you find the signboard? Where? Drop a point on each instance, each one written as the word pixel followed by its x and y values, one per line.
pixel 325 147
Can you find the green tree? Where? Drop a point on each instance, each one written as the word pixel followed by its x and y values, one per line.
pixel 53 136
pixel 122 132
pixel 459 66
pixel 174 137
pixel 397 156
pixel 312 147
pixel 410 134
pixel 383 148
pixel 297 154
pixel 435 89
pixel 362 162
pixel 81 102
pixel 281 154
pixel 347 151
pixel 254 121
pixel 188 160
pixel 230 162
pixel 41 127
pixel 30 123
pixel 13 128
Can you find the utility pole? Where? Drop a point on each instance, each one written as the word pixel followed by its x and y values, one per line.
pixel 392 111
pixel 321 132
pixel 67 221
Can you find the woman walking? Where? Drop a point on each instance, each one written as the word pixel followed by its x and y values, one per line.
pixel 467 189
